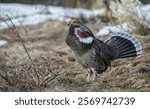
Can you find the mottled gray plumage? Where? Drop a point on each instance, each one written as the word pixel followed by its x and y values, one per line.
pixel 95 55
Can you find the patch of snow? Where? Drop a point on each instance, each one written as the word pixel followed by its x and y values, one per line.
pixel 31 20
pixel 16 10
pixel 35 14
pixel 143 13
pixel 107 30
pixel 3 42
pixel 69 12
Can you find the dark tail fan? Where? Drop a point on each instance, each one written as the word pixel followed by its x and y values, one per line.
pixel 124 45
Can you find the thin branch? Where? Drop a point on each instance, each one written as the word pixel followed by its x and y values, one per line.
pixel 46 81
pixel 18 35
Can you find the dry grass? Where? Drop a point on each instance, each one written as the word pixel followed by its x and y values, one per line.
pixel 58 71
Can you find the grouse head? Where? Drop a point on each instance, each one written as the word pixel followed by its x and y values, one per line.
pixel 81 31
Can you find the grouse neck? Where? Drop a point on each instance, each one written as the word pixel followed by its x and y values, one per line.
pixel 77 46
pixel 83 37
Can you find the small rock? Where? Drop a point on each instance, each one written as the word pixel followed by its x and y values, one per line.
pixel 70 59
pixel 142 70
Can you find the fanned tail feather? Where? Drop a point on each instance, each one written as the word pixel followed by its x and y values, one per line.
pixel 125 45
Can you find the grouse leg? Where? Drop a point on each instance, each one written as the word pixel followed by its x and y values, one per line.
pixel 91 74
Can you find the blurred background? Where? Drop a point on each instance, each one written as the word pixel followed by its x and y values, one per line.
pixel 42 28
pixel 67 3
pixel 63 3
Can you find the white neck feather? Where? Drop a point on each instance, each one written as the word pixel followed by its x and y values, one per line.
pixel 86 40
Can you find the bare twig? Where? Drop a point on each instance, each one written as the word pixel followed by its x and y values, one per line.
pixel 18 35
pixel 46 81
pixel 51 78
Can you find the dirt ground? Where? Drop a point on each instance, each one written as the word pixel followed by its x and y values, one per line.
pixel 57 70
